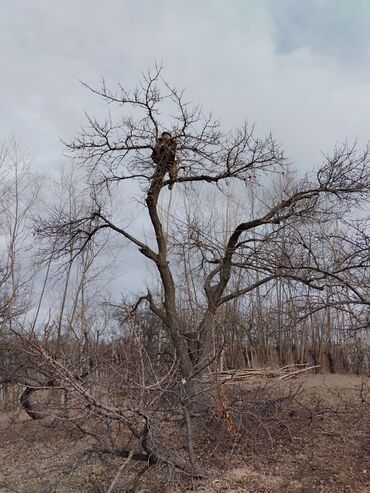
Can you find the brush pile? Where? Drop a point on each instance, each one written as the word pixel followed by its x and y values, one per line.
pixel 282 373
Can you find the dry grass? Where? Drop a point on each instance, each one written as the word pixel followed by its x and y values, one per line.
pixel 319 440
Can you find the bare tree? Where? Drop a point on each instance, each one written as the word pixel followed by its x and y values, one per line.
pixel 117 152
pixel 18 195
pixel 282 236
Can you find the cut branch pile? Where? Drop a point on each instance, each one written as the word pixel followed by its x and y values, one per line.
pixel 282 373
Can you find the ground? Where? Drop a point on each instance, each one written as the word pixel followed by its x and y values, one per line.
pixel 316 441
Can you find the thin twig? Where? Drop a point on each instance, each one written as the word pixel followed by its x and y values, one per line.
pixel 114 482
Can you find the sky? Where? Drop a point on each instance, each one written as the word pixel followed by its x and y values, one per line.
pixel 297 68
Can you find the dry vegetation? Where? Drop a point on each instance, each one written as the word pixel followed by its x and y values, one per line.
pixel 200 381
pixel 309 435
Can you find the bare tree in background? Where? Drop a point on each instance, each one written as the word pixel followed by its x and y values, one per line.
pixel 18 195
pixel 18 192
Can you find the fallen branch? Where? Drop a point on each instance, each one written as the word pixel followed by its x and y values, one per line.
pixel 281 373
pixel 290 375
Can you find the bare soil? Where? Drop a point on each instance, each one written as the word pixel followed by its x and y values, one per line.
pixel 316 441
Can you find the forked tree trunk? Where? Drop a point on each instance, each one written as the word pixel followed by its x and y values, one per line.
pixel 178 339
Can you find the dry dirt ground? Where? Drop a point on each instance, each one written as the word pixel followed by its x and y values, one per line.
pixel 318 441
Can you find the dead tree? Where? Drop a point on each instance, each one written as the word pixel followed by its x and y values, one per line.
pixel 114 153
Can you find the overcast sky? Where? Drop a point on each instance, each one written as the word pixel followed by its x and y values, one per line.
pixel 300 68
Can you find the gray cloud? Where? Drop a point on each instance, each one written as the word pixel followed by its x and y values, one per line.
pixel 281 64
pixel 297 68
pixel 337 28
